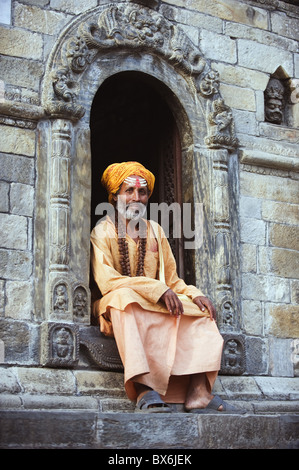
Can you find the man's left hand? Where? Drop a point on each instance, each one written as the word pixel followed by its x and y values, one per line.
pixel 203 303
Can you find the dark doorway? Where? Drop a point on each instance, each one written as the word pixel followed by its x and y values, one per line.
pixel 131 120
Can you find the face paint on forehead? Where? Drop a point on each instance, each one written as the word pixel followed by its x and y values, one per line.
pixel 136 181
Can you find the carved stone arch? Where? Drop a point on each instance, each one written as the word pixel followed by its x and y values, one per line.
pixel 96 45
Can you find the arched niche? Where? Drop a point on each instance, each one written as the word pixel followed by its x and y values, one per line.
pixel 96 46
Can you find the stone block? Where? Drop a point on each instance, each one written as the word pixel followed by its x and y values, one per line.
pixel 263 58
pixel 285 236
pixel 285 25
pixel 253 231
pixel 280 357
pixel 252 317
pixel 285 263
pixel 218 47
pixel 265 288
pixel 280 212
pixel 269 187
pixel 295 292
pixel 20 341
pixel 39 20
pixel 21 199
pixel 13 231
pixel 231 10
pixel 21 43
pixel 15 264
pixel 256 355
pixel 248 258
pixel 250 207
pixel 242 77
pixel 272 131
pixel 237 97
pixel 245 122
pixel 46 381
pixel 242 31
pixel 8 381
pixel 4 199
pixel 240 387
pixel 192 18
pixel 73 6
pixel 21 72
pixel 17 141
pixel 99 382
pixel 2 352
pixel 16 168
pixel 284 321
pixel 279 387
pixel 264 260
pixel 19 300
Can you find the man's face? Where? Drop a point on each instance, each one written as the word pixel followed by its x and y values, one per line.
pixel 132 198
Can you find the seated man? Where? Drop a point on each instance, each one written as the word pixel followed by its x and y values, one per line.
pixel 165 330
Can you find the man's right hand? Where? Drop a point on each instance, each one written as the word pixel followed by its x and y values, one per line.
pixel 172 302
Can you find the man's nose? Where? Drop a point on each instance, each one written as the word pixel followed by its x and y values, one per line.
pixel 136 196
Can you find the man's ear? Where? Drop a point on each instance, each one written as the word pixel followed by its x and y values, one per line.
pixel 114 197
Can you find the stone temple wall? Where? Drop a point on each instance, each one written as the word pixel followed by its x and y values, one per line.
pixel 248 43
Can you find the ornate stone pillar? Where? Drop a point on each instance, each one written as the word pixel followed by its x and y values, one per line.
pixel 59 335
pixel 233 357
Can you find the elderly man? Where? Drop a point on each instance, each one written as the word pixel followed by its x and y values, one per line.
pixel 165 330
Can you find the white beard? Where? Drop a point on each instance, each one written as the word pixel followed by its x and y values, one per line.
pixel 133 211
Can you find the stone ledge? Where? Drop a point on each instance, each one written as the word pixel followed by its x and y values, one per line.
pixel 25 429
pixel 101 384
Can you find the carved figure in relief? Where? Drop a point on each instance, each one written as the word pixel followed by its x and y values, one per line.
pixel 221 126
pixel 274 101
pixel 60 299
pixel 165 330
pixel 62 344
pixel 80 302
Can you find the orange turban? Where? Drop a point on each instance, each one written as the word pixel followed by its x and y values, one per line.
pixel 116 173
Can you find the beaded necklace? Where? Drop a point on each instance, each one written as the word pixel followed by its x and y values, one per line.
pixel 124 249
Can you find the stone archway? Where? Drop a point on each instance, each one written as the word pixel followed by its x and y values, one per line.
pixel 102 42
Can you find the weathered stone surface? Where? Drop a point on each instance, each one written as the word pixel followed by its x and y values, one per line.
pixel 285 25
pixel 17 141
pixel 21 72
pixel 47 381
pixel 285 236
pixel 14 232
pixel 269 187
pixel 218 47
pixel 227 10
pixel 8 382
pixel 17 168
pixel 18 340
pixel 257 354
pixel 73 6
pixel 89 382
pixel 237 97
pixel 19 300
pixel 252 317
pixel 263 58
pixel 280 212
pixel 280 357
pixel 285 263
pixel 248 258
pixel 21 43
pixel 39 20
pixel 242 77
pixel 21 199
pixel 15 264
pixel 253 231
pixel 265 288
pixel 4 199
pixel 284 321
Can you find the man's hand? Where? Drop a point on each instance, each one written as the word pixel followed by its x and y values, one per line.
pixel 203 303
pixel 173 303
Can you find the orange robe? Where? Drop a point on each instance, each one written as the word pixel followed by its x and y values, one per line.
pixel 156 349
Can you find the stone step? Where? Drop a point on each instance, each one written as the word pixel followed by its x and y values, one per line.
pixel 91 429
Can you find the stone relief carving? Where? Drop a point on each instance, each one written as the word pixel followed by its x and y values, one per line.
pixel 63 345
pixel 233 360
pixel 221 131
pixel 80 304
pixel 274 101
pixel 60 299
